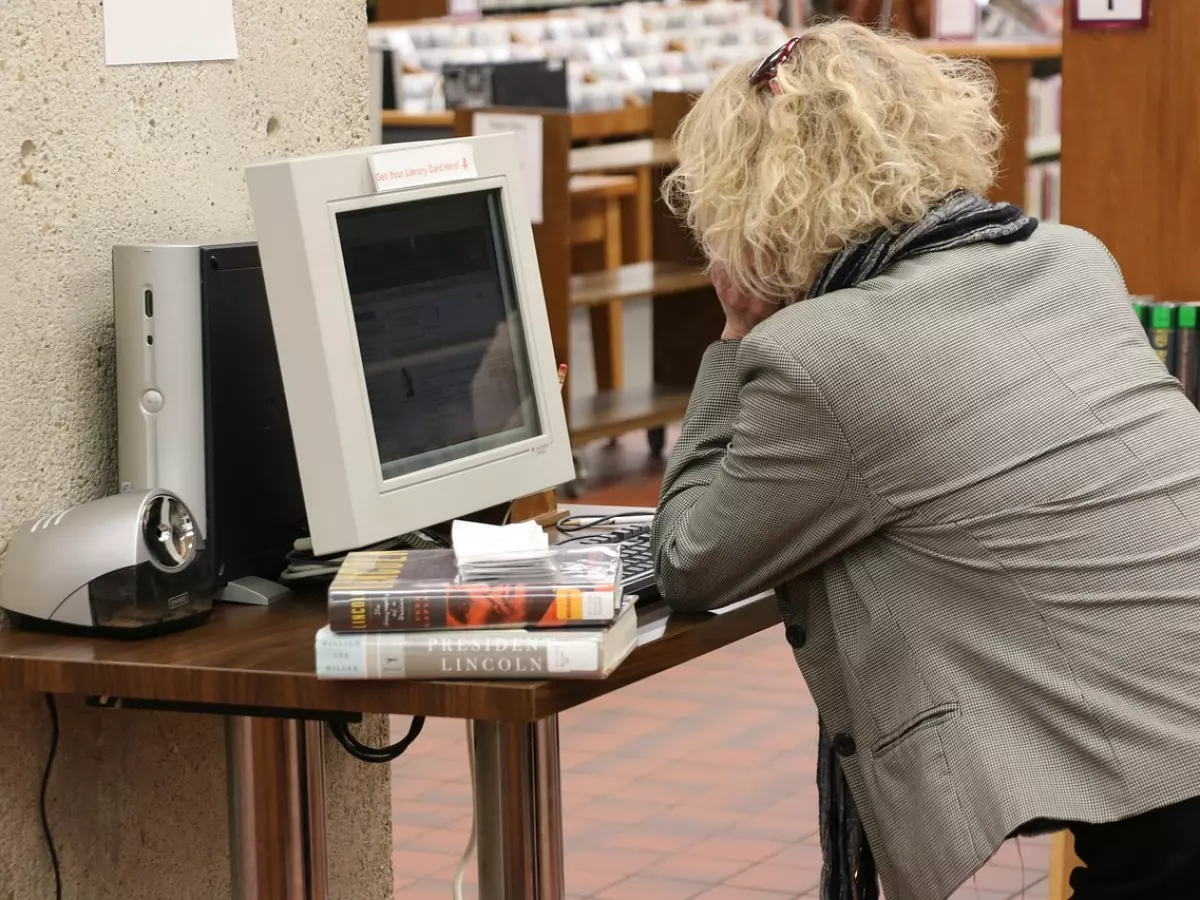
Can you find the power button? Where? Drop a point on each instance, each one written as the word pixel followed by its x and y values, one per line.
pixel 152 401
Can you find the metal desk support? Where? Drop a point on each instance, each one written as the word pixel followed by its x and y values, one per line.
pixel 276 773
pixel 518 809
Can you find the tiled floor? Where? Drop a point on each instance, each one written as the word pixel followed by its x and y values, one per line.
pixel 697 784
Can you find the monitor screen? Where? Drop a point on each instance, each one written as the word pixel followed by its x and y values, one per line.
pixel 439 329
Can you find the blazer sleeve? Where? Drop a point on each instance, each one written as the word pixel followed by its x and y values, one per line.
pixel 760 487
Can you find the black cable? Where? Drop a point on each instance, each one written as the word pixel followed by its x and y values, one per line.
pixel 434 538
pixel 361 751
pixel 53 708
pixel 571 524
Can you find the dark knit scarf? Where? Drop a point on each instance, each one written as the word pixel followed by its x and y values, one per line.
pixel 962 218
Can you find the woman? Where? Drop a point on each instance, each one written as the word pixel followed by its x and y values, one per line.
pixel 973 484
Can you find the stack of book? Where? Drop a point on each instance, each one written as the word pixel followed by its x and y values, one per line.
pixel 412 614
pixel 1172 329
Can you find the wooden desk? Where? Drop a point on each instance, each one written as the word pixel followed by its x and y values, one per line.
pixel 255 665
pixel 263 657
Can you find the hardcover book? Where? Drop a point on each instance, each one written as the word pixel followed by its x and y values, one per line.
pixel 1164 337
pixel 518 653
pixel 420 590
pixel 1188 350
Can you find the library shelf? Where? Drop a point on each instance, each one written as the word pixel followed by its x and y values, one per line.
pixel 393 118
pixel 601 187
pixel 635 281
pixel 608 414
pixel 585 126
pixel 605 123
pixel 995 51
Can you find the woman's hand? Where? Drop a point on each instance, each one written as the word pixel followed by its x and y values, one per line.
pixel 742 311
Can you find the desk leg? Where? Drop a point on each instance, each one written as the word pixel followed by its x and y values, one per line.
pixel 518 810
pixel 276 774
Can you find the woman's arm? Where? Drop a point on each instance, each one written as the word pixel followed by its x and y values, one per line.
pixel 761 485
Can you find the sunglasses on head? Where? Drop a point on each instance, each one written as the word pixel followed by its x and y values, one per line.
pixel 767 69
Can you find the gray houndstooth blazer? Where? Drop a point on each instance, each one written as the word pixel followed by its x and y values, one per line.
pixel 977 492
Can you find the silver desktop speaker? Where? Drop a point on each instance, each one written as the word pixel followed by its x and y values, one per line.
pixel 160 372
pixel 200 405
pixel 129 565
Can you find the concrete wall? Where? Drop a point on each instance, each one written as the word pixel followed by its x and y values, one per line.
pixel 91 156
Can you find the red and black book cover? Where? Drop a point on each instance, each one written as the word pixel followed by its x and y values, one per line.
pixel 416 590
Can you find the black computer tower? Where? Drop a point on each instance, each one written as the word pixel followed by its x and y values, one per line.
pixel 255 501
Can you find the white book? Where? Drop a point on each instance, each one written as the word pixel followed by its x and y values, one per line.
pixel 494 654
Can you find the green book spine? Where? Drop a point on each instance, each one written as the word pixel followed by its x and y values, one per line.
pixel 1187 321
pixel 1142 304
pixel 1164 334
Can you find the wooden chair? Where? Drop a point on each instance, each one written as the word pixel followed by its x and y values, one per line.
pixel 597 245
pixel 641 276
pixel 1062 861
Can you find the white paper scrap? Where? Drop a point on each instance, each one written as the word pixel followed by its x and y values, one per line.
pixel 165 31
pixel 475 540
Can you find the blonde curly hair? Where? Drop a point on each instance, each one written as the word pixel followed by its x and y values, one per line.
pixel 868 131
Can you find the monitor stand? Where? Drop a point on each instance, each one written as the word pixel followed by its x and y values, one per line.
pixel 541 507
pixel 252 591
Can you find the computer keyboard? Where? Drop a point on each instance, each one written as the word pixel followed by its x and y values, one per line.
pixel 637 565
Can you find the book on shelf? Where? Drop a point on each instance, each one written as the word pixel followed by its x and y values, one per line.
pixel 423 590
pixel 509 654
pixel 1187 350
pixel 1045 116
pixel 1043 190
pixel 1173 330
pixel 1164 336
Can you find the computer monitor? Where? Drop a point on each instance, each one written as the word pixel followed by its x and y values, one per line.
pixel 412 334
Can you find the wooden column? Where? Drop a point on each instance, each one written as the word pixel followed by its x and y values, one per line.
pixel 1131 146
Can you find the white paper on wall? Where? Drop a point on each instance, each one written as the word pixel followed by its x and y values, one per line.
pixel 164 31
pixel 528 132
